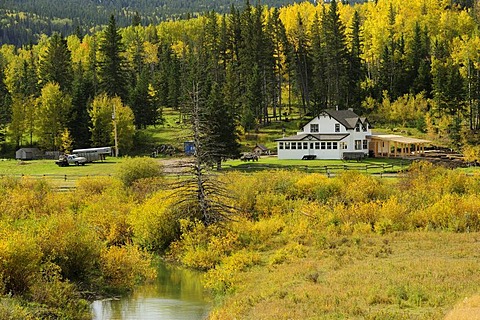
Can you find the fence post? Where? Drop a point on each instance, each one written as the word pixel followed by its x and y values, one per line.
pixel 65 178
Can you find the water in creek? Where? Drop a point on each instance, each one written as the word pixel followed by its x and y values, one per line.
pixel 176 294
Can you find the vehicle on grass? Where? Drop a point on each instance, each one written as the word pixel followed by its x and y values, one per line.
pixel 249 156
pixel 67 159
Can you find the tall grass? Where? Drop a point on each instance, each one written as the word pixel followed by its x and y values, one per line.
pixel 304 246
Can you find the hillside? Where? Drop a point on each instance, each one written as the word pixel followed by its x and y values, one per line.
pixel 24 21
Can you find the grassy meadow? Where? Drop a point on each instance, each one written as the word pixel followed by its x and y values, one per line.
pixel 354 246
pixel 301 244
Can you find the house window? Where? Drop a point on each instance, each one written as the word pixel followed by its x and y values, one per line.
pixel 287 145
pixel 280 145
pixel 323 145
pixel 357 127
pixel 337 127
pixel 299 145
pixel 334 145
pixel 365 144
pixel 311 145
pixel 344 145
pixel 305 145
pixel 314 127
pixel 317 145
pixel 294 145
pixel 364 127
pixel 329 145
pixel 358 144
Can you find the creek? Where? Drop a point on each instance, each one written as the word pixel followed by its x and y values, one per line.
pixel 176 294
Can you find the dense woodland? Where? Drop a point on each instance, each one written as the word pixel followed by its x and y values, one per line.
pixel 401 64
pixel 23 21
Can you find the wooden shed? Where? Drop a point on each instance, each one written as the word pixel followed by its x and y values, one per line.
pixel 28 154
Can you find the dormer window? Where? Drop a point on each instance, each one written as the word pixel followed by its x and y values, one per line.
pixel 337 127
pixel 357 127
pixel 314 128
pixel 364 127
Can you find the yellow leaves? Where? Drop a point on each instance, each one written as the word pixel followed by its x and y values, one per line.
pixel 222 278
pixel 19 261
pixel 151 52
pixel 203 247
pixel 124 267
pixel 154 223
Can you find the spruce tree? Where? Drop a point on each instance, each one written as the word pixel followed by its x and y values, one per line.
pixel 56 64
pixel 319 85
pixel 336 54
pixel 112 71
pixel 79 120
pixel 356 70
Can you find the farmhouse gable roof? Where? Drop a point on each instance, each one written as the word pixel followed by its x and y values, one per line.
pixel 347 118
pixel 315 137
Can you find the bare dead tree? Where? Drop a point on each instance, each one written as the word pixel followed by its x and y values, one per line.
pixel 203 196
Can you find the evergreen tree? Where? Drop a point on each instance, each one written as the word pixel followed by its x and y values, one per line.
pixel 112 70
pixel 56 64
pixel 5 104
pixel 319 85
pixel 355 66
pixel 337 58
pixel 419 62
pixel 79 120
pixel 448 88
pixel 222 139
pixel 143 106
pixel 277 33
pixel 136 20
pixel 302 62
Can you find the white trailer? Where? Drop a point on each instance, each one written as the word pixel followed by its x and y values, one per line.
pixel 94 154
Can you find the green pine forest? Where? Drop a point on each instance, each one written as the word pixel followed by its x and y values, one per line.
pixel 401 65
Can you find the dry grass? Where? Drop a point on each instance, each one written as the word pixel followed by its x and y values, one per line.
pixel 413 275
pixel 469 309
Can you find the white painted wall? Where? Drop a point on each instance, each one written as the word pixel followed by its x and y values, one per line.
pixel 311 150
pixel 327 126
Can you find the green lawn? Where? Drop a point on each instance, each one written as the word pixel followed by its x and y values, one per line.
pixel 372 165
pixel 48 167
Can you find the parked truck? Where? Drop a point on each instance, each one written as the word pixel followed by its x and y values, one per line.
pixel 67 159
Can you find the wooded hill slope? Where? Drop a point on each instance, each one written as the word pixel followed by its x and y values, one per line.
pixel 400 64
pixel 24 21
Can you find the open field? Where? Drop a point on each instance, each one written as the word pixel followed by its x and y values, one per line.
pixel 48 167
pixel 373 165
pixel 405 275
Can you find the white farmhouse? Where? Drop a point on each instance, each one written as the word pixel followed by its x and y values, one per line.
pixel 333 134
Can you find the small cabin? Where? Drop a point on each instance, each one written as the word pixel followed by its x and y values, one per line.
pixel 260 149
pixel 28 154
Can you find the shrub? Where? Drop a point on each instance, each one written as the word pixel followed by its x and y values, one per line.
pixel 133 169
pixel 57 299
pixel 221 278
pixel 71 244
pixel 155 223
pixel 124 267
pixel 12 309
pixel 203 247
pixel 20 258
